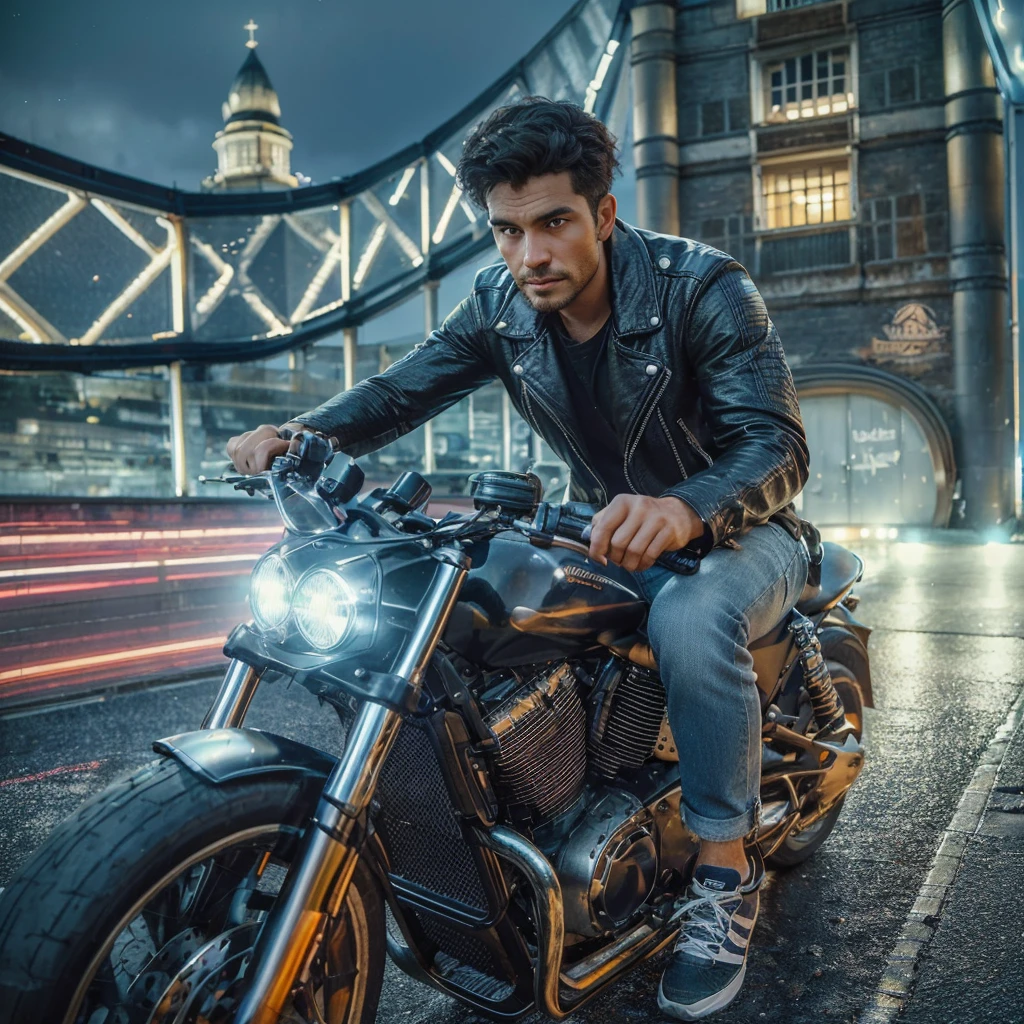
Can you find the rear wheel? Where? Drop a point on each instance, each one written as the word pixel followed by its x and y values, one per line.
pixel 145 904
pixel 803 843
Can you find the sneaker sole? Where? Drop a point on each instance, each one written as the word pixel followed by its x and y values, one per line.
pixel 694 1011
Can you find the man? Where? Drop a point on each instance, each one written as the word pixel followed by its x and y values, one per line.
pixel 648 363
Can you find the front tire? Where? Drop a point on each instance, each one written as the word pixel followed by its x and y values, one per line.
pixel 144 904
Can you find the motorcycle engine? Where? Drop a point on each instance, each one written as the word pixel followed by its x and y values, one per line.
pixel 541 734
pixel 608 867
pixel 604 847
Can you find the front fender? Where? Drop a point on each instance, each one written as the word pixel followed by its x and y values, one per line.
pixel 221 755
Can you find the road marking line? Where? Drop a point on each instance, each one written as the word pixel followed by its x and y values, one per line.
pixel 64 769
pixel 898 977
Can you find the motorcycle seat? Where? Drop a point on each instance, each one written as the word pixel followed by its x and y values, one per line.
pixel 840 569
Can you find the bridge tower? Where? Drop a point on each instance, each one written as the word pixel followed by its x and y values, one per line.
pixel 253 149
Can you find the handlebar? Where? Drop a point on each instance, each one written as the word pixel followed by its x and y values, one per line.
pixel 565 525
pixel 573 521
pixel 307 457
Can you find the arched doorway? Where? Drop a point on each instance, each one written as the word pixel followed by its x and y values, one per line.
pixel 881 453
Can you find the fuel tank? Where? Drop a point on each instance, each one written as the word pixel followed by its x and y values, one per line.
pixel 523 604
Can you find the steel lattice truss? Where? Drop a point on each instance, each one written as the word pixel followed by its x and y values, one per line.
pixel 142 275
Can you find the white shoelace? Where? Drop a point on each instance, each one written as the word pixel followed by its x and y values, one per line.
pixel 715 925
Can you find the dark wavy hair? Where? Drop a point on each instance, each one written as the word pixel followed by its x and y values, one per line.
pixel 538 136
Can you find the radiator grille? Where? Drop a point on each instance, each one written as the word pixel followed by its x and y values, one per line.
pixel 459 945
pixel 634 723
pixel 542 756
pixel 420 824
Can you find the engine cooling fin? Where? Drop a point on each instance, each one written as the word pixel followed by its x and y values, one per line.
pixel 541 761
pixel 633 723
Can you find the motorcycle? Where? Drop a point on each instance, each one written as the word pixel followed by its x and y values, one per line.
pixel 501 816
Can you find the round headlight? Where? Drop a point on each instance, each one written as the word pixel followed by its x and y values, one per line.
pixel 324 608
pixel 270 592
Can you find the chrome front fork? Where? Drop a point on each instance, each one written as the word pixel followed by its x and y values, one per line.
pixel 232 700
pixel 318 883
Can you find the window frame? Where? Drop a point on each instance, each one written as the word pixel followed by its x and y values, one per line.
pixel 804 158
pixel 758 8
pixel 760 89
pixel 926 220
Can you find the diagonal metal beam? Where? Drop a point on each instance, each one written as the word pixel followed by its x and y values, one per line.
pixel 27 318
pixel 377 209
pixel 156 266
pixel 125 227
pixel 215 294
pixel 580 44
pixel 369 254
pixel 446 215
pixel 42 234
pixel 316 286
pixel 212 297
pixel 321 241
pixel 252 296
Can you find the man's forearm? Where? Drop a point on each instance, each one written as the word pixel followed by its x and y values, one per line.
pixel 747 484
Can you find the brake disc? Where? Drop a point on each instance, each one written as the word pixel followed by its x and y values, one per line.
pixel 194 990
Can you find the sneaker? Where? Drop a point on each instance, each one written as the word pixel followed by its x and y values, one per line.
pixel 709 961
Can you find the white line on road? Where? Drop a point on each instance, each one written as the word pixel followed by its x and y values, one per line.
pixel 894 988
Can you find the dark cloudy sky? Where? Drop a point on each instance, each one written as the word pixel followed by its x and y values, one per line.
pixel 137 86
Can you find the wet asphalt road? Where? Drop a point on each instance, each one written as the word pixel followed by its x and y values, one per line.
pixel 948 665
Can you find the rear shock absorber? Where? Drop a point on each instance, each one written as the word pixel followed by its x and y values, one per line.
pixel 825 702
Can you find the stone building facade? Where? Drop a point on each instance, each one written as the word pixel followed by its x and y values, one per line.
pixel 813 147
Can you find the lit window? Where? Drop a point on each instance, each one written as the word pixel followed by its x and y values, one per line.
pixel 752 8
pixel 802 195
pixel 811 85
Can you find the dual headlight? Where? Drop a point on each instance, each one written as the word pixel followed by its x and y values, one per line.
pixel 321 604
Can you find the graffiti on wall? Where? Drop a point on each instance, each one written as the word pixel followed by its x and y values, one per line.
pixel 913 342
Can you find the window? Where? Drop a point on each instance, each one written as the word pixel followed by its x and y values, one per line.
pixel 752 8
pixel 788 5
pixel 802 195
pixel 719 117
pixel 916 82
pixel 734 235
pixel 895 227
pixel 242 154
pixel 811 85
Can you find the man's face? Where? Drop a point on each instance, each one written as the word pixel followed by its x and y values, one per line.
pixel 547 235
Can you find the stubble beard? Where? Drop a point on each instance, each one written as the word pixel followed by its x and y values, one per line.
pixel 546 305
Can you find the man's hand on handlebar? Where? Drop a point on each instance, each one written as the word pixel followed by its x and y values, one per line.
pixel 255 450
pixel 634 530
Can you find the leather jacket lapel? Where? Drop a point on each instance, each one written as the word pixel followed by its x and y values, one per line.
pixel 634 292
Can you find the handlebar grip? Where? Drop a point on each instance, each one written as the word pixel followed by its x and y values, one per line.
pixel 683 561
pixel 679 561
pixel 573 520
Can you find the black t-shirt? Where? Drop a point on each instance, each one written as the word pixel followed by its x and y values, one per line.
pixel 586 363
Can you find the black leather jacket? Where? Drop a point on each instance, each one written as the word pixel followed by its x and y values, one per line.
pixel 704 402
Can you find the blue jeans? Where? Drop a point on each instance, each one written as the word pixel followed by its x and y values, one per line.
pixel 699 628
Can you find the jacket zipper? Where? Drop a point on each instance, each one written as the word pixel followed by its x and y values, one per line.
pixel 693 442
pixel 631 449
pixel 671 443
pixel 555 419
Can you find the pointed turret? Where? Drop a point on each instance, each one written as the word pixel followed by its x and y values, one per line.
pixel 252 97
pixel 253 150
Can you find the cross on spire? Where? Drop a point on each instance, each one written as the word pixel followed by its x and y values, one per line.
pixel 251 29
